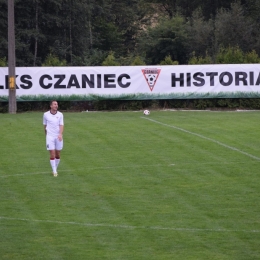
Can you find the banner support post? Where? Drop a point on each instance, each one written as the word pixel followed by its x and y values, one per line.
pixel 11 59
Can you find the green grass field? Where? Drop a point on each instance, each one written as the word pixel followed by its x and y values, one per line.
pixel 171 185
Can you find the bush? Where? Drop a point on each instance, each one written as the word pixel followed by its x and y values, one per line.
pixel 200 60
pixel 53 60
pixel 3 107
pixel 137 61
pixel 110 60
pixel 168 61
pixel 135 105
pixel 3 62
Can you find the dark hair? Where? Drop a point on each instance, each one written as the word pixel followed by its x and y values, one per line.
pixel 53 101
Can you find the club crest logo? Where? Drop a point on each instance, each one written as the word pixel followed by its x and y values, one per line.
pixel 151 76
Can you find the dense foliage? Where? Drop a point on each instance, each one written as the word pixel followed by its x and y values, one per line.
pixel 86 32
pixel 137 105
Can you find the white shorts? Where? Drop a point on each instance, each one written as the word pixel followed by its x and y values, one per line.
pixel 53 143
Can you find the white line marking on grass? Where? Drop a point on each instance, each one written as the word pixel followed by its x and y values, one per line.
pixel 126 166
pixel 129 227
pixel 89 168
pixel 119 166
pixel 32 173
pixel 204 137
pixel 23 174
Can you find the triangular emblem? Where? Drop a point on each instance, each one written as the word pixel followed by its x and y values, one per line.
pixel 151 76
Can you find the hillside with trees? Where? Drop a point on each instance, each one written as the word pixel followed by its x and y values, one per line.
pixel 132 32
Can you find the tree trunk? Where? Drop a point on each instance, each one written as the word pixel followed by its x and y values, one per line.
pixel 36 36
pixel 89 25
pixel 71 32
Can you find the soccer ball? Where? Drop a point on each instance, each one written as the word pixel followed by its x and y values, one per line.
pixel 146 112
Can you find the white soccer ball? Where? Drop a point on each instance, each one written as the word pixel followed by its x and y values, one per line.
pixel 146 112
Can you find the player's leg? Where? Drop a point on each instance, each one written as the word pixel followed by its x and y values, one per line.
pixel 53 162
pixel 57 158
pixel 50 144
pixel 58 148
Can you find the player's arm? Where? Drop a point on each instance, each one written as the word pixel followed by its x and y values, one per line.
pixel 44 124
pixel 61 132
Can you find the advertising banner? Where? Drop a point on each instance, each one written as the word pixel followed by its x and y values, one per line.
pixel 133 82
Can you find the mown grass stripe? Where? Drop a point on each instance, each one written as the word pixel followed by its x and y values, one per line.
pixel 204 137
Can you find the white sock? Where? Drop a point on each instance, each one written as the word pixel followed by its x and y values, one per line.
pixel 53 166
pixel 57 161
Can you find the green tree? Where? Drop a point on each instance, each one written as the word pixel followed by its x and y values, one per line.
pixel 251 57
pixel 200 34
pixel 25 32
pixel 109 37
pixel 233 28
pixel 200 59
pixel 137 60
pixel 234 55
pixel 94 57
pixel 3 29
pixel 127 16
pixel 211 7
pixel 110 60
pixel 65 23
pixel 230 55
pixel 171 8
pixel 169 37
pixel 168 61
pixel 3 62
pixel 83 32
pixel 53 61
pixel 130 60
pixel 252 10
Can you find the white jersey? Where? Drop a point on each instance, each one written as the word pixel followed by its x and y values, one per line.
pixel 53 122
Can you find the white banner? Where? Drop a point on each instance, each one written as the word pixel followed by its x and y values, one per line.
pixel 133 82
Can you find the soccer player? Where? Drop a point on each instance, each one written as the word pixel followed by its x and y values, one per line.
pixel 53 127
